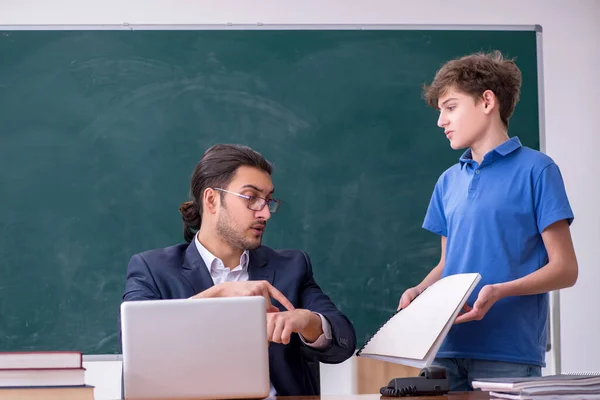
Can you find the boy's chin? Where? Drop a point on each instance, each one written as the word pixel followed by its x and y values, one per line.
pixel 455 145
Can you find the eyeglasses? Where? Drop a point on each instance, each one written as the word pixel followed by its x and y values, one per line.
pixel 256 203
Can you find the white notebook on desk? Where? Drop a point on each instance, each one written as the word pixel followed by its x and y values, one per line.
pixel 541 384
pixel 413 336
pixel 577 386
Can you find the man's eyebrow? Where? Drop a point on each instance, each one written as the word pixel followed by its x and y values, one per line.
pixel 446 101
pixel 257 189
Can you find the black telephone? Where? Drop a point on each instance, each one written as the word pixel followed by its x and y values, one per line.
pixel 432 381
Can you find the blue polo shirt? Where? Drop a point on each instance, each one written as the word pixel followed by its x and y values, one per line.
pixel 493 214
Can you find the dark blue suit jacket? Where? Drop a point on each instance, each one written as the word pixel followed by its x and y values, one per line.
pixel 178 272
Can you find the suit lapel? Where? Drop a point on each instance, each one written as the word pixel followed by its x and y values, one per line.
pixel 259 269
pixel 195 271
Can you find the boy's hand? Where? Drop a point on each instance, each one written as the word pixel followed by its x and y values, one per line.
pixel 486 299
pixel 408 296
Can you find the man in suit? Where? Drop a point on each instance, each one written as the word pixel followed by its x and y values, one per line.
pixel 232 200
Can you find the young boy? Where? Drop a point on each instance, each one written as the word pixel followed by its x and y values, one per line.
pixel 501 211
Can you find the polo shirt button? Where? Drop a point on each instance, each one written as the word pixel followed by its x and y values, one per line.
pixel 477 171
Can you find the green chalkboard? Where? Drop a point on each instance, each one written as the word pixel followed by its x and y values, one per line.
pixel 100 131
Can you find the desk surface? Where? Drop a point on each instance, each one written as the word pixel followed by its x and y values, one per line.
pixel 451 396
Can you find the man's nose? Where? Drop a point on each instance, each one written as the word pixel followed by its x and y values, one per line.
pixel 265 213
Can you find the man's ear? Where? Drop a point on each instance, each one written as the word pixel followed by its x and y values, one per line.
pixel 489 101
pixel 210 201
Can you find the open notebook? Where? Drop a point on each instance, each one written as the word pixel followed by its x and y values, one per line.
pixel 413 335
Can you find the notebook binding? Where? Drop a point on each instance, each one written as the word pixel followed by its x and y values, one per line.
pixel 373 335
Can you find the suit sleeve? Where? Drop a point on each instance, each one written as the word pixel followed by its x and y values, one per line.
pixel 343 342
pixel 139 284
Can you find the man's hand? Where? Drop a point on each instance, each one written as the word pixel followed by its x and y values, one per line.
pixel 408 296
pixel 488 295
pixel 280 326
pixel 248 288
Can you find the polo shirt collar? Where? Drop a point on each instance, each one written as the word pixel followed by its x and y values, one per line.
pixel 503 150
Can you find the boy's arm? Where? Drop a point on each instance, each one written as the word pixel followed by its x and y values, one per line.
pixel 435 222
pixel 436 272
pixel 433 276
pixel 560 272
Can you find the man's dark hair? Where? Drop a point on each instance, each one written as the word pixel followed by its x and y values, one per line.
pixel 216 168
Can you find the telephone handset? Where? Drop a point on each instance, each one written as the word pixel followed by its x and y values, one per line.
pixel 432 381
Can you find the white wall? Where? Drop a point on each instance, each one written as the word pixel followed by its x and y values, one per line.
pixel 571 82
pixel 105 377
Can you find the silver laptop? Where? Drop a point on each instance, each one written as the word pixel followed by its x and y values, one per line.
pixel 202 349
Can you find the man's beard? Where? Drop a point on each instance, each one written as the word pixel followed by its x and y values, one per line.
pixel 226 229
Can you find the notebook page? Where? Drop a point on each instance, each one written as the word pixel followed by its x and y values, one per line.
pixel 412 332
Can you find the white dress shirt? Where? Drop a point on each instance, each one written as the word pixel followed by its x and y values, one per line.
pixel 220 273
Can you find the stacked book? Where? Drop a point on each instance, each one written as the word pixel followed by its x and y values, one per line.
pixel 43 375
pixel 566 386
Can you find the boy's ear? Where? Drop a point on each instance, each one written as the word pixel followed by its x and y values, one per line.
pixel 489 100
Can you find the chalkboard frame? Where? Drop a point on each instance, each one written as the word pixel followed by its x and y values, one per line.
pixel 554 298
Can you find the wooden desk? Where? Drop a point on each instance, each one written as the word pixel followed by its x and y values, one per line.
pixel 451 396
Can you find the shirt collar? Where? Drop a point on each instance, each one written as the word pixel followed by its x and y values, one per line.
pixel 210 260
pixel 509 146
pixel 465 158
pixel 503 150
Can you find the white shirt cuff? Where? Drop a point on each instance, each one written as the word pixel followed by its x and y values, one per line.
pixel 325 339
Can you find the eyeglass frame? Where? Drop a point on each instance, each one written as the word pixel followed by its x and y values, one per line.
pixel 267 202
